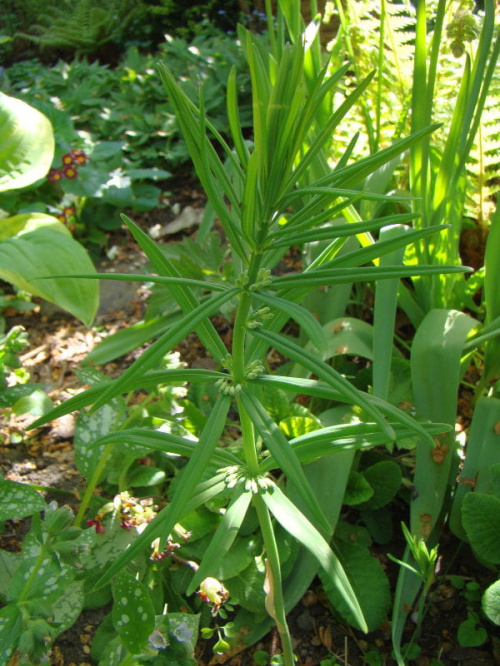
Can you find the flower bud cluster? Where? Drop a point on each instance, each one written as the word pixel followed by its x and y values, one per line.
pixel 226 387
pixel 263 280
pixel 253 484
pixel 254 369
pixel 258 318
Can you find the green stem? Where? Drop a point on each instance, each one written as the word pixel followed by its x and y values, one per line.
pixel 33 574
pixel 92 483
pixel 278 612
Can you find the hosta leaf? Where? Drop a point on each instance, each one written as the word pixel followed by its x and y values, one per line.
pixel 27 141
pixel 43 252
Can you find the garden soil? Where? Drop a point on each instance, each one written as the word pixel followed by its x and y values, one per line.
pixel 57 345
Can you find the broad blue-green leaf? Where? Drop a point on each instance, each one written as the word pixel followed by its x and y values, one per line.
pixel 133 612
pixel 44 251
pixel 491 603
pixel 18 500
pixel 27 142
pixel 481 520
pixel 369 582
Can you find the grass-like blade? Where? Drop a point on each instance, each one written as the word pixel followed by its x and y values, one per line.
pixel 226 533
pixel 280 449
pixel 294 522
pixel 164 522
pixel 153 355
pixel 149 380
pixel 163 441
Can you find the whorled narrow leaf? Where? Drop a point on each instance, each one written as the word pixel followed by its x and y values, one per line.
pixel 157 440
pixel 164 522
pixel 284 455
pixel 149 380
pixel 223 539
pixel 325 372
pixel 184 297
pixel 153 355
pixel 320 389
pixel 287 514
pixel 303 317
pixel 330 276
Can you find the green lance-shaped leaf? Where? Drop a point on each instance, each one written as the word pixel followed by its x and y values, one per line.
pixel 435 371
pixel 156 440
pixel 482 452
pixel 223 539
pixel 27 142
pixel 284 455
pixel 149 380
pixel 301 315
pixel 164 522
pixel 294 522
pixel 321 390
pixel 40 245
pixel 163 345
pixel 183 295
pixel 133 612
pixel 325 372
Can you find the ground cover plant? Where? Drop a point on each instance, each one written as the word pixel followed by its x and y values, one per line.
pixel 273 454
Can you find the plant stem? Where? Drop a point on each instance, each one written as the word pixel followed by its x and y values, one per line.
pixel 275 593
pixel 92 483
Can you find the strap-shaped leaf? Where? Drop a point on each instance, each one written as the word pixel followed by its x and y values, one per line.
pixel 149 380
pixel 152 356
pixel 183 295
pixel 337 231
pixel 223 539
pixel 362 274
pixel 163 441
pixel 284 455
pixel 164 522
pixel 303 317
pixel 294 522
pixel 321 390
pixel 325 372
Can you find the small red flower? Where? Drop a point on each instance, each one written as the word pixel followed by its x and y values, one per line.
pixel 99 527
pixel 62 218
pixel 79 156
pixel 69 210
pixel 67 159
pixel 55 175
pixel 70 172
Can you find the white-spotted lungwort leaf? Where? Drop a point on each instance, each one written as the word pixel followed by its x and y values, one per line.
pixel 11 627
pixel 18 500
pixel 133 612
